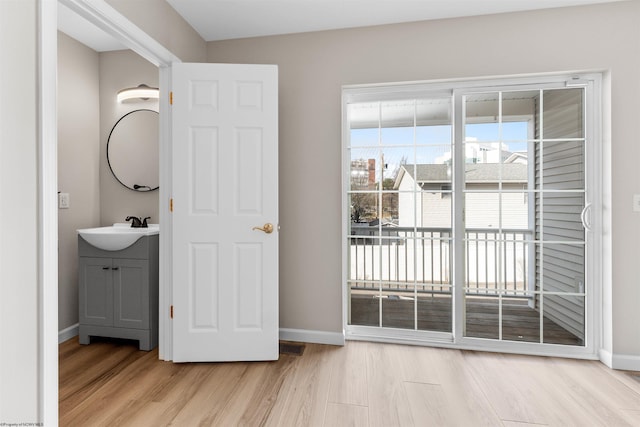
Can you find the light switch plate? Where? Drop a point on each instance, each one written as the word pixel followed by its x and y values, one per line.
pixel 636 202
pixel 63 200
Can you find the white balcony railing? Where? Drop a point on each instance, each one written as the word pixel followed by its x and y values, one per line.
pixel 395 259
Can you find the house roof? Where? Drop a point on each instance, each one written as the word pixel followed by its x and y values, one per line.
pixel 476 173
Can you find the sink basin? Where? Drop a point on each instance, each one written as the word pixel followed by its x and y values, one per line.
pixel 116 237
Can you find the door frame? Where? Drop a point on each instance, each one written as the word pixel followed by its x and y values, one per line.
pixel 105 17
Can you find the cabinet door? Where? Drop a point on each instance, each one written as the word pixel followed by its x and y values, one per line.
pixel 131 293
pixel 95 291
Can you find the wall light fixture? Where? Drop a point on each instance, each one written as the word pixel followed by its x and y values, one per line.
pixel 142 92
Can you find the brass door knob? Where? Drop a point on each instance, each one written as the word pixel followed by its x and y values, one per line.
pixel 267 228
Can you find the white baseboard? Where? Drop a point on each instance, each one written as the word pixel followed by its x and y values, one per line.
pixel 68 333
pixel 315 337
pixel 625 362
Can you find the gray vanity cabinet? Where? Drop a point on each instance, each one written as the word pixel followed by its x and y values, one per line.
pixel 118 294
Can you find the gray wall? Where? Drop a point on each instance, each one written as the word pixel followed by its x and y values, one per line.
pixel 314 66
pixel 118 70
pixel 78 163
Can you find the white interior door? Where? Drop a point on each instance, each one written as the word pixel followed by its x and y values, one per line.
pixel 225 184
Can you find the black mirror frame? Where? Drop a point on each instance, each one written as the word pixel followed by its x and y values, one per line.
pixel 140 189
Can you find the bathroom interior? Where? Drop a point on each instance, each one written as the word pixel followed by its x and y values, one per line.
pixel 92 195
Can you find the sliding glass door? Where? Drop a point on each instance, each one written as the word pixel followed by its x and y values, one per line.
pixel 523 186
pixel 467 213
pixel 400 207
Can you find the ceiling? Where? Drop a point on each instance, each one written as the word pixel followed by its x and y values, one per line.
pixel 231 19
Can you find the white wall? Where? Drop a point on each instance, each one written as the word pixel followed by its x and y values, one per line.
pixel 19 332
pixel 314 66
pixel 78 163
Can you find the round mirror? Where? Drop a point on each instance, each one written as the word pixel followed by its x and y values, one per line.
pixel 132 150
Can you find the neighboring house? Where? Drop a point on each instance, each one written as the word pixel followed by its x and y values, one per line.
pixel 430 205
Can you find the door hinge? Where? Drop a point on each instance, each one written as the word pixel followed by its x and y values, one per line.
pixel 171 312
pixel 171 97
pixel 171 205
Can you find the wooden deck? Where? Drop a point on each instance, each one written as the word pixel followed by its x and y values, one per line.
pixel 519 322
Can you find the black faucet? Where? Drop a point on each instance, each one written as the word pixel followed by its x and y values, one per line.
pixel 144 222
pixel 136 221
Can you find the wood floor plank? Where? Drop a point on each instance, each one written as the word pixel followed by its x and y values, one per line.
pixel 508 390
pixel 388 404
pixel 305 391
pixel 428 405
pixel 459 385
pixel 341 415
pixel 349 375
pixel 564 402
pixel 533 390
pixel 214 395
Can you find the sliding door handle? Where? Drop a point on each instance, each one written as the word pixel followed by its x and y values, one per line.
pixel 586 222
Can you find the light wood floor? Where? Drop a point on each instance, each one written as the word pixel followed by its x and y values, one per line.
pixel 360 384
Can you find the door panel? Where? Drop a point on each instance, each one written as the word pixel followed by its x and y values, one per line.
pixel 225 180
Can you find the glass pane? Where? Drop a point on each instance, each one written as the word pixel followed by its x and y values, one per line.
pixel 363 209
pixel 397 122
pixel 482 210
pixel 562 115
pixel 509 210
pixel 562 165
pixel 434 309
pixel 514 207
pixel 564 319
pixel 392 163
pixel 364 259
pixel 364 123
pixel 398 308
pixel 389 210
pixel 561 218
pixel 517 269
pixel 363 173
pixel 434 113
pixel 365 306
pixel 520 322
pixel 483 256
pixel 434 135
pixel 367 137
pixel 436 155
pixel 481 315
pixel 434 260
pixel 434 208
pixel 481 116
pixel 519 110
pixel 560 268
